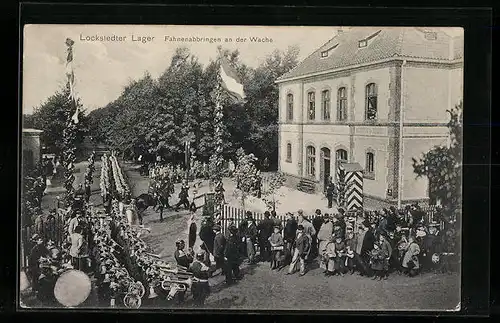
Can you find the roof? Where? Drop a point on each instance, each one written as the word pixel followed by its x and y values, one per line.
pixel 351 167
pixel 383 43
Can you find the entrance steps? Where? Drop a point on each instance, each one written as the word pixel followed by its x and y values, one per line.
pixel 307 186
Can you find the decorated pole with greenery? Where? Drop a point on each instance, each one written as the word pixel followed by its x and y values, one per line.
pixel 71 129
pixel 217 158
pixel 246 176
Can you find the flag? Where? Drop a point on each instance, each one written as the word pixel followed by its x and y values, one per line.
pixel 70 74
pixel 230 81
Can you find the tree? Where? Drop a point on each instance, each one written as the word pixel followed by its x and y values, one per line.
pixel 51 117
pixel 246 176
pixel 443 167
pixel 270 192
pixel 263 102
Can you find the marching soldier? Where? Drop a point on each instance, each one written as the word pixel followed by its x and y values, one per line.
pixel 200 287
pixel 183 197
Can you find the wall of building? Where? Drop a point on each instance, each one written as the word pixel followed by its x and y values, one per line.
pixel 430 90
pixel 416 142
pixel 285 89
pixel 381 77
pixel 373 139
pixel 289 133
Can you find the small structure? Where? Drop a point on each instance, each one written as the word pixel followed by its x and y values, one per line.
pixel 353 178
pixel 31 148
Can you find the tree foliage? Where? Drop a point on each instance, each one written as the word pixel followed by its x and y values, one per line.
pixel 443 168
pixel 153 117
pixel 51 117
pixel 271 191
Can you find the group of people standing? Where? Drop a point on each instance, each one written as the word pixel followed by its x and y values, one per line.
pixel 384 242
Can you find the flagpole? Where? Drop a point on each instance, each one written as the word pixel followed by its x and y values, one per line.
pixel 69 132
pixel 218 121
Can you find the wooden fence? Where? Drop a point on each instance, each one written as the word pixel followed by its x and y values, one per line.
pixel 49 228
pixel 237 215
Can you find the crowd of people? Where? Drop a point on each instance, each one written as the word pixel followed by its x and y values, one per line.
pixel 378 244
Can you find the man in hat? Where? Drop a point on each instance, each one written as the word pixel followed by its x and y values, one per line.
pixel 276 220
pixel 302 249
pixel 289 234
pixel 207 234
pixel 183 259
pixel 250 237
pixel 200 287
pixel 183 197
pixel 386 249
pixel 265 228
pixel 219 247
pixel 324 236
pixel 429 247
pixel 317 221
pixel 75 221
pixel 331 192
pixel 367 245
pixel 37 252
pixel 308 227
pixel 232 256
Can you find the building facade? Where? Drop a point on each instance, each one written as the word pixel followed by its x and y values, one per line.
pixel 374 96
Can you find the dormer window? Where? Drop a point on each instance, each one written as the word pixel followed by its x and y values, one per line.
pixel 327 52
pixel 430 35
pixel 364 42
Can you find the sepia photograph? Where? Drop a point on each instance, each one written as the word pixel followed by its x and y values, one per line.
pixel 241 167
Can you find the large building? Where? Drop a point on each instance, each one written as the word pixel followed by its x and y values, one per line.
pixel 373 96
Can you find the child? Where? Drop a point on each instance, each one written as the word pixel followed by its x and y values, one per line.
pixel 329 256
pixel 276 241
pixel 376 261
pixel 350 243
pixel 410 259
pixel 340 255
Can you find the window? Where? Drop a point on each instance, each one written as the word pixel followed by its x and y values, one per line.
pixel 326 52
pixel 289 152
pixel 371 102
pixel 370 165
pixel 289 107
pixel 429 35
pixel 311 107
pixel 364 42
pixel 342 155
pixel 325 101
pixel 342 104
pixel 311 161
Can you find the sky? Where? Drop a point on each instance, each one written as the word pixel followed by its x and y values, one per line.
pixel 103 68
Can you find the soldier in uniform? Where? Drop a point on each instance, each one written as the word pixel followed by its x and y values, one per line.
pixel 200 287
pixel 183 259
pixel 219 247
pixel 232 256
pixel 183 197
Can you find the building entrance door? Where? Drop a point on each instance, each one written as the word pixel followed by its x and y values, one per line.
pixel 325 167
